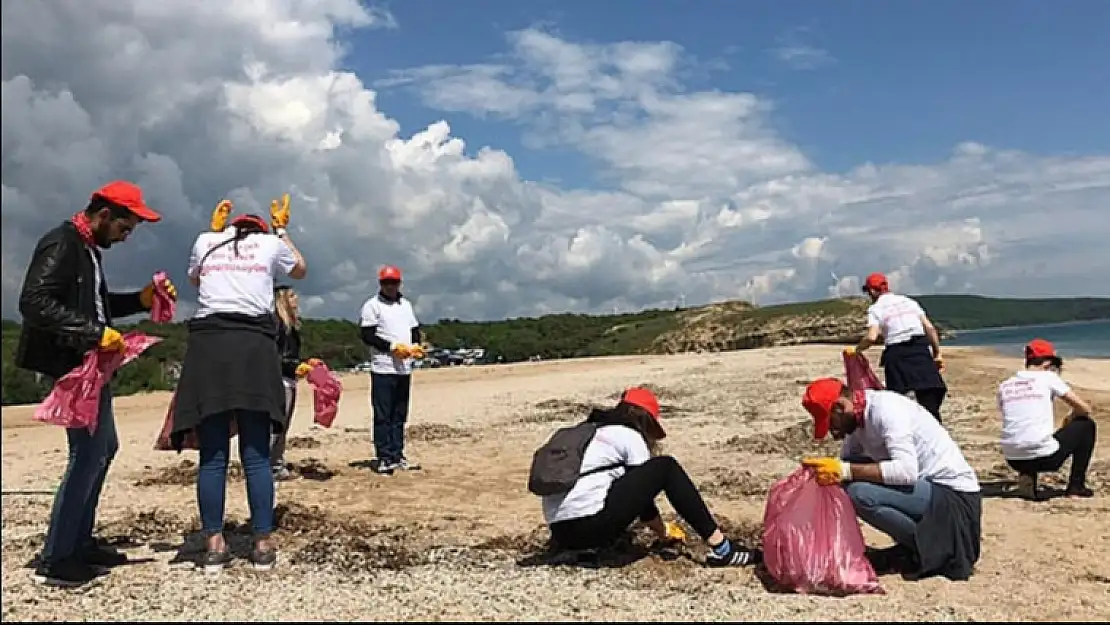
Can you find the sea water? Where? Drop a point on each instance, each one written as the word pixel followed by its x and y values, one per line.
pixel 1076 339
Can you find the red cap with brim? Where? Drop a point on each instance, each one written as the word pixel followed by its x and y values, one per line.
pixel 1040 348
pixel 818 401
pixel 129 196
pixel 643 398
pixel 876 281
pixel 389 272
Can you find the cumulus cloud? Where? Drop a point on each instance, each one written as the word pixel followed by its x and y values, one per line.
pixel 697 197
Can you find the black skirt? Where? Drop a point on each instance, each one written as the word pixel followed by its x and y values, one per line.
pixel 909 366
pixel 231 363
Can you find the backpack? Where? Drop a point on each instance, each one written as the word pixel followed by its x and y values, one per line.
pixel 557 465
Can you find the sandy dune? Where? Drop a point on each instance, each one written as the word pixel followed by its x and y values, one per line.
pixel 453 541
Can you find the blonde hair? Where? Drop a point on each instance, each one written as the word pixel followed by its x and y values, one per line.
pixel 284 309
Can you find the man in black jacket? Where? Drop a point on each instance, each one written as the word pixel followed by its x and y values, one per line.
pixel 67 311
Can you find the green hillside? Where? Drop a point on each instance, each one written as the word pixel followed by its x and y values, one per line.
pixel 575 335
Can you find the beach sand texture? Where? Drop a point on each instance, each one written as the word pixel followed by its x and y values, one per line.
pixel 454 541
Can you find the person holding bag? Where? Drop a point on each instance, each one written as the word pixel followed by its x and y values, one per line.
pixel 232 369
pixel 287 315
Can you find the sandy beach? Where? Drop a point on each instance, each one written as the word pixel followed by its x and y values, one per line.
pixel 459 539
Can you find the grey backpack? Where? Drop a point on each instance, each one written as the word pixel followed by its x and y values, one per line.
pixel 557 465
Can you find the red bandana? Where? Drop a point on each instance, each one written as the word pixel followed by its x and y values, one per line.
pixel 859 405
pixel 84 228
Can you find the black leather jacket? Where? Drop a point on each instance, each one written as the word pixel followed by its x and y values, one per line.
pixel 58 304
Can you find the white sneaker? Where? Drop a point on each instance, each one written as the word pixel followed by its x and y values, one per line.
pixel 406 465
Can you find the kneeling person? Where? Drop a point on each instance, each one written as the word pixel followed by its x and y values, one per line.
pixel 620 480
pixel 904 474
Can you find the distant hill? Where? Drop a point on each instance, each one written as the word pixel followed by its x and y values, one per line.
pixel 716 327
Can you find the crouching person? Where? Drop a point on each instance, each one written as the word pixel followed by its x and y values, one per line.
pixel 1028 442
pixel 905 476
pixel 591 497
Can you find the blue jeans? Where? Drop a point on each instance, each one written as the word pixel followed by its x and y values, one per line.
pixel 389 397
pixel 254 452
pixel 893 510
pixel 75 503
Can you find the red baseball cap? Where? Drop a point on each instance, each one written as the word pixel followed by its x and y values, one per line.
pixel 818 401
pixel 129 196
pixel 643 398
pixel 1040 348
pixel 876 281
pixel 389 272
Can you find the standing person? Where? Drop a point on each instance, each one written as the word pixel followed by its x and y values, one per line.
pixel 1028 442
pixel 620 478
pixel 904 474
pixel 390 328
pixel 232 370
pixel 287 311
pixel 67 310
pixel 911 357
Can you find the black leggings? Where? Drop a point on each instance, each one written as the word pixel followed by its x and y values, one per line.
pixel 1077 440
pixel 931 399
pixel 633 495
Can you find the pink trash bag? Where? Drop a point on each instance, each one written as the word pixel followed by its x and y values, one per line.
pixel 164 306
pixel 326 389
pixel 859 373
pixel 812 543
pixel 74 402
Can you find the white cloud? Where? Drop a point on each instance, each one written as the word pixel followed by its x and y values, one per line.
pixel 702 199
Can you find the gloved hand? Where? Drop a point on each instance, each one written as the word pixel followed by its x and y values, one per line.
pixel 303 369
pixel 315 362
pixel 220 215
pixel 111 339
pixel 416 351
pixel 850 351
pixel 400 350
pixel 279 213
pixel 940 363
pixel 146 296
pixel 675 532
pixel 829 470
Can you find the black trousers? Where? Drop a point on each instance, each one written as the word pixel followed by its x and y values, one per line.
pixel 633 495
pixel 1077 441
pixel 389 397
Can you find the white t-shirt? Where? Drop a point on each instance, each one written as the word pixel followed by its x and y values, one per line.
pixel 611 444
pixel 238 284
pixel 98 277
pixel 1025 400
pixel 395 321
pixel 908 444
pixel 898 318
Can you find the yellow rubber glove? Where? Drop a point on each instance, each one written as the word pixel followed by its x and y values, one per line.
pixel 416 351
pixel 111 339
pixel 850 351
pixel 315 362
pixel 279 213
pixel 303 369
pixel 829 470
pixel 146 296
pixel 674 531
pixel 400 350
pixel 220 215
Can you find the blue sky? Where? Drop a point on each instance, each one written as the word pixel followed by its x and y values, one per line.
pixel 905 82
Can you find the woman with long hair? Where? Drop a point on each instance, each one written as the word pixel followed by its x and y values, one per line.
pixel 232 372
pixel 287 312
pixel 621 476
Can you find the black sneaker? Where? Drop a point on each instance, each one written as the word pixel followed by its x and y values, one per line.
pixel 65 574
pixel 263 560
pixel 213 562
pixel 103 556
pixel 738 556
pixel 381 468
pixel 1079 491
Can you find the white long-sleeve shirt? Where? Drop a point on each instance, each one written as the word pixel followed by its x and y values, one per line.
pixel 908 444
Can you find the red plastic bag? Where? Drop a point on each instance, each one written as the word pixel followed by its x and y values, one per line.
pixel 326 389
pixel 164 306
pixel 164 442
pixel 74 402
pixel 812 543
pixel 859 373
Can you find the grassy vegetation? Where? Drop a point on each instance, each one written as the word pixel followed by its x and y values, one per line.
pixel 556 336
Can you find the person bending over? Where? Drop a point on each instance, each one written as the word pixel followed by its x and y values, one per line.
pixel 620 481
pixel 905 476
pixel 1028 442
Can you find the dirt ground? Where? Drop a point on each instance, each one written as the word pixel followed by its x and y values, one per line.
pixel 462 538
